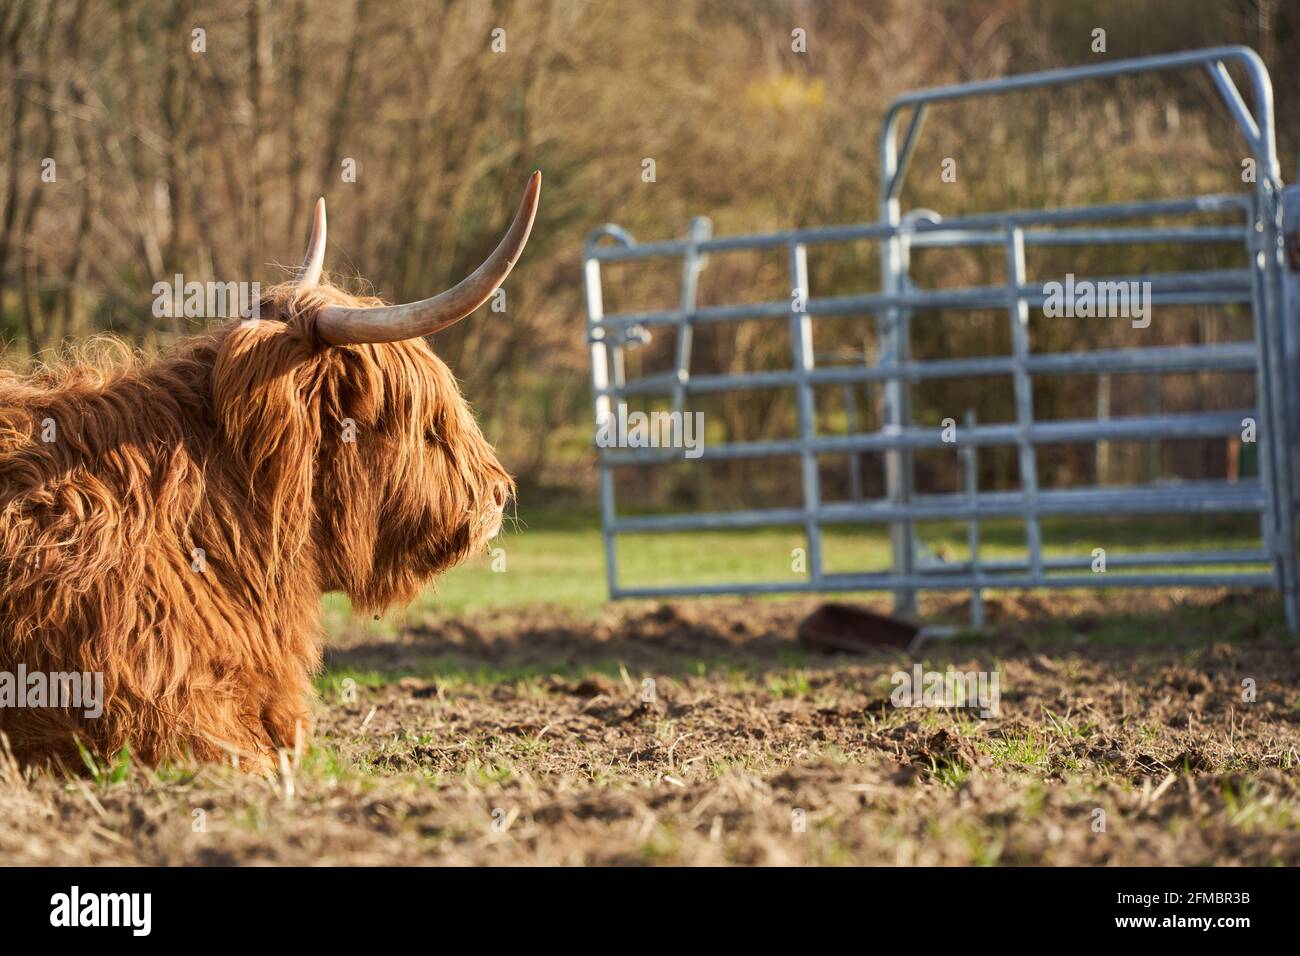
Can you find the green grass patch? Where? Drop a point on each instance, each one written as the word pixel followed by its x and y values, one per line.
pixel 556 557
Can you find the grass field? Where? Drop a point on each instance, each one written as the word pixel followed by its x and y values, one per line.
pixel 515 717
pixel 556 557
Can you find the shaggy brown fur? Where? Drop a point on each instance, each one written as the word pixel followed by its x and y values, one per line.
pixel 178 533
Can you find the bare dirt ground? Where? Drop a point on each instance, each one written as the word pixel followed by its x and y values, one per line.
pixel 1124 737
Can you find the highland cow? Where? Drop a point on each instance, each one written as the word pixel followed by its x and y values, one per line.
pixel 173 525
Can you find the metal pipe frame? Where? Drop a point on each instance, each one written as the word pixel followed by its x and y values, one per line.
pixel 1212 287
pixel 1065 431
pixel 627 249
pixel 1256 227
pixel 1244 497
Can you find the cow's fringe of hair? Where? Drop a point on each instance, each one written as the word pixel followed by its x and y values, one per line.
pixel 173 523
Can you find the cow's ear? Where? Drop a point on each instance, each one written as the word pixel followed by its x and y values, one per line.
pixel 265 396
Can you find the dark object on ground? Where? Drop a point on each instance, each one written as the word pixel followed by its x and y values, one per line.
pixel 843 628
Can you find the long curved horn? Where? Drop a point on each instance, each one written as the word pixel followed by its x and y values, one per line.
pixel 312 263
pixel 344 325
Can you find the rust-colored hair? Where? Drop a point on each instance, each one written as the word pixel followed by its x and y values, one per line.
pixel 174 524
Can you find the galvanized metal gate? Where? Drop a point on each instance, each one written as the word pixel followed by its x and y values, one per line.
pixel 1255 220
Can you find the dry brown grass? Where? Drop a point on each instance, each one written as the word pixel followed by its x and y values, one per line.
pixel 526 740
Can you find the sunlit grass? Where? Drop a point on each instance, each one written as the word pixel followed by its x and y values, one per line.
pixel 558 557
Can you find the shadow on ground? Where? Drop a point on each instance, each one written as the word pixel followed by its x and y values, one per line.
pixel 760 635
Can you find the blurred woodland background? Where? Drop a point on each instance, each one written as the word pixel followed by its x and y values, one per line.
pixel 206 163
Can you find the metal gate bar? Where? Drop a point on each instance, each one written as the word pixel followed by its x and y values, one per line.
pixel 1258 229
pixel 1024 391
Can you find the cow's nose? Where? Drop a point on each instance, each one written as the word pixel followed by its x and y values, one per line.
pixel 500 495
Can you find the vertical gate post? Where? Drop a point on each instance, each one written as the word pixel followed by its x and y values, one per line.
pixel 893 332
pixel 1286 254
pixel 1275 410
pixel 970 468
pixel 1024 393
pixel 893 328
pixel 693 263
pixel 600 363
pixel 802 361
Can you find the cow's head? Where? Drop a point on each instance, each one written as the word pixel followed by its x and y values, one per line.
pixel 358 448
